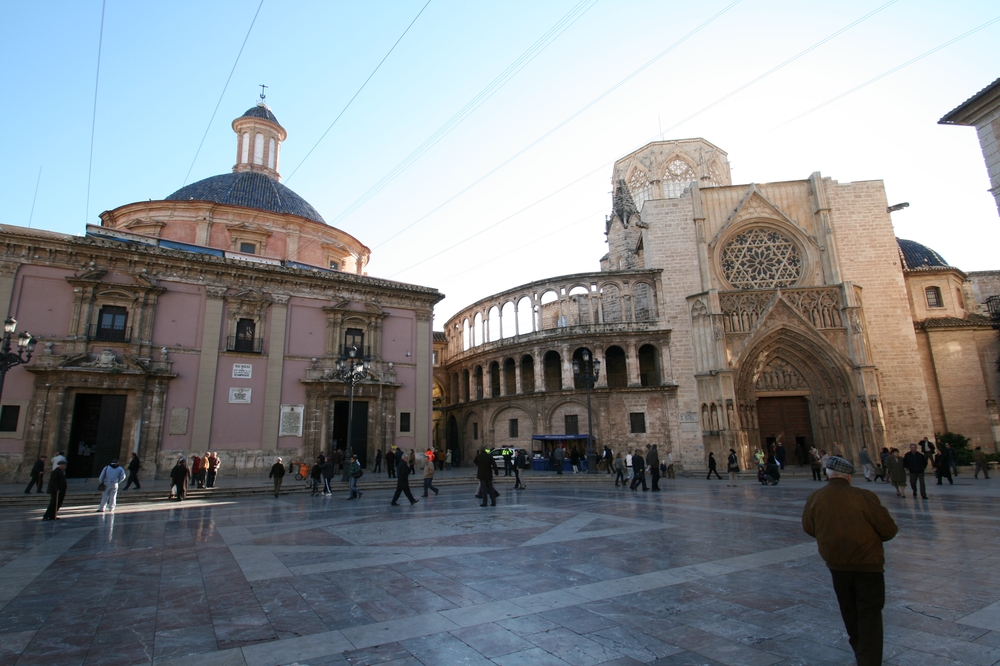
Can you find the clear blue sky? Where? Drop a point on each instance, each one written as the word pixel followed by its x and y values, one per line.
pixel 164 64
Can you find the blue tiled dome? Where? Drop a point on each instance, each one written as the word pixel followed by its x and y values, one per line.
pixel 249 189
pixel 915 256
pixel 260 111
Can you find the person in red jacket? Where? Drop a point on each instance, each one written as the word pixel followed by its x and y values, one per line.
pixel 849 525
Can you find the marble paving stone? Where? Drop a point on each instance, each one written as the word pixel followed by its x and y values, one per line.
pixel 565 573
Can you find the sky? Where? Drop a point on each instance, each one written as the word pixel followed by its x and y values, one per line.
pixel 470 144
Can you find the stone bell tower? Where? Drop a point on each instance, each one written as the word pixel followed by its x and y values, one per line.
pixel 258 142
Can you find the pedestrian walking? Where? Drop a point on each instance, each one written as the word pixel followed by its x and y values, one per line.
pixel 620 470
pixel 979 458
pixel 814 464
pixel 486 467
pixel 942 467
pixel 895 472
pixel 712 467
pixel 880 471
pixel 38 475
pixel 733 467
pixel 378 462
pixel 328 473
pixel 134 465
pixel 508 457
pixel 195 470
pixel 823 457
pixel 850 525
pixel 638 471
pixel 316 477
pixel 412 458
pixel 520 460
pixel 179 476
pixel 574 460
pixel 108 480
pixel 214 463
pixel 403 480
pixel 669 460
pixel 915 463
pixel 447 460
pixel 779 454
pixel 866 463
pixel 354 473
pixel 559 455
pixel 952 458
pixel 653 461
pixel 57 491
pixel 277 474
pixel 390 462
pixel 429 476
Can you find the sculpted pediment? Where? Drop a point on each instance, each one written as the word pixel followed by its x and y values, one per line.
pixel 756 206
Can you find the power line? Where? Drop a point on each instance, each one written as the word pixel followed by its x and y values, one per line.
pixel 886 73
pixel 485 94
pixel 564 122
pixel 35 198
pixel 606 164
pixel 93 120
pixel 782 65
pixel 217 104
pixel 359 91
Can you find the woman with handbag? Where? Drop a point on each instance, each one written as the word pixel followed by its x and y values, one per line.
pixel 733 467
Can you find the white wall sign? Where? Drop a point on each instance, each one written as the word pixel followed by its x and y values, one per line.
pixel 240 395
pixel 291 420
pixel 242 370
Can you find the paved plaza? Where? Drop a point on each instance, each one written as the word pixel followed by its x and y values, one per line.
pixel 565 572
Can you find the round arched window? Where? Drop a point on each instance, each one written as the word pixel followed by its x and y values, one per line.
pixel 761 259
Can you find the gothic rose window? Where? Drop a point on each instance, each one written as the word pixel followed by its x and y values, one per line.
pixel 761 259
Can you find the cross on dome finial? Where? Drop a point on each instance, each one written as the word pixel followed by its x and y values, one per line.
pixel 262 95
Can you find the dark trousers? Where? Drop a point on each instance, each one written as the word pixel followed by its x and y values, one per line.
pixel 979 466
pixel 654 475
pixel 559 465
pixel 429 485
pixel 133 477
pixel 391 469
pixel 506 468
pixel 914 477
pixel 55 503
pixel 210 483
pixel 489 491
pixel 36 480
pixel 403 488
pixel 378 466
pixel 817 475
pixel 517 478
pixel 620 474
pixel 640 477
pixel 326 485
pixel 277 484
pixel 861 596
pixel 944 473
pixel 713 471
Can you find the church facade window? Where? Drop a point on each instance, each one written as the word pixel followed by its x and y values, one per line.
pixel 111 324
pixel 934 299
pixel 761 258
pixel 258 149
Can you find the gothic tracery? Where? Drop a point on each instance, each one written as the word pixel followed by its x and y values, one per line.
pixel 761 258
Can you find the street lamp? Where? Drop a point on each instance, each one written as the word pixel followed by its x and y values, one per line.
pixel 25 348
pixel 350 369
pixel 586 370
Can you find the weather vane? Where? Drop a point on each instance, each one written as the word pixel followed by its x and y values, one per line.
pixel 262 95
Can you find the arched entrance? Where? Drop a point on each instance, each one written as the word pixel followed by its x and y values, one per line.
pixel 793 387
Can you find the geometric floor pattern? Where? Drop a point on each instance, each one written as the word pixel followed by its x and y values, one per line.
pixel 560 573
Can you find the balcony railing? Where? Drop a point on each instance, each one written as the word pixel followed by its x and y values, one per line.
pixel 104 334
pixel 243 345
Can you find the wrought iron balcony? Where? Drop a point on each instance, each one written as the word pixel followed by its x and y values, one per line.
pixel 105 334
pixel 235 343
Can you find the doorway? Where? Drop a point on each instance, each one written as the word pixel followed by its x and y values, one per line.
pixel 96 433
pixel 359 428
pixel 785 418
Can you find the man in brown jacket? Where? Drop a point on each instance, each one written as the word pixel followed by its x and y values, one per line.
pixel 849 525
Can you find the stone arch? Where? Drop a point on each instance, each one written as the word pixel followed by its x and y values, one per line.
pixel 510 376
pixel 493 324
pixel 527 373
pixel 552 370
pixel 501 431
pixel 477 380
pixel 477 330
pixel 494 379
pixel 615 367
pixel 508 320
pixel 649 365
pixel 794 362
pixel 472 432
pixel 678 174
pixel 789 255
pixel 644 301
pixel 525 315
pixel 611 303
pixel 579 306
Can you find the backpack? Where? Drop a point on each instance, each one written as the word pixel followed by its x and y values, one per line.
pixel 359 474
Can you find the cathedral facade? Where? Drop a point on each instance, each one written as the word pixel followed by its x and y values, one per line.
pixel 725 316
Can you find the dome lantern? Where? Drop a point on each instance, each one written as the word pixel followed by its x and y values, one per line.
pixel 258 140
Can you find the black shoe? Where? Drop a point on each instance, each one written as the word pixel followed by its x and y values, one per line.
pixel 483 504
pixel 493 503
pixel 414 502
pixel 923 497
pixel 436 491
pixel 394 503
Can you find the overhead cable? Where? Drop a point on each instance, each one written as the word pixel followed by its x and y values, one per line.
pixel 886 73
pixel 217 104
pixel 495 85
pixel 358 92
pixel 563 123
pixel 93 120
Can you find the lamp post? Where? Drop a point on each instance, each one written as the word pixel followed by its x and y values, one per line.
pixel 9 359
pixel 350 369
pixel 586 370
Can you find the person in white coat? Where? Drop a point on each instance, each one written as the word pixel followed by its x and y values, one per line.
pixel 110 477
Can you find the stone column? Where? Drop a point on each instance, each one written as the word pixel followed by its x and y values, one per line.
pixel 518 388
pixel 539 369
pixel 567 367
pixel 632 364
pixel 275 370
pixel 422 423
pixel 204 401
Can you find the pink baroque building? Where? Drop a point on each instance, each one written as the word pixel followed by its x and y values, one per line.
pixel 211 320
